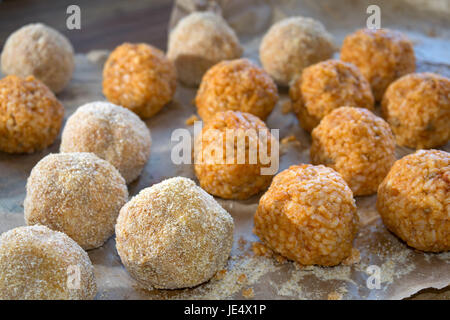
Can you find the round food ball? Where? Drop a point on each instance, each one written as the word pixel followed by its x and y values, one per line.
pixel 113 133
pixel 173 235
pixel 417 106
pixel 326 86
pixel 293 44
pixel 357 144
pixel 308 215
pixel 223 165
pixel 139 77
pixel 40 51
pixel 381 55
pixel 413 200
pixel 37 263
pixel 78 194
pixel 30 115
pixel 236 85
pixel 199 41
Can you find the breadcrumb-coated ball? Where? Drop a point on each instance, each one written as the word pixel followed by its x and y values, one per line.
pixel 199 41
pixel 414 200
pixel 173 235
pixel 357 144
pixel 40 51
pixel 30 115
pixel 237 85
pixel 325 86
pixel 111 132
pixel 78 194
pixel 293 44
pixel 37 263
pixel 381 55
pixel 139 77
pixel 417 107
pixel 308 215
pixel 223 165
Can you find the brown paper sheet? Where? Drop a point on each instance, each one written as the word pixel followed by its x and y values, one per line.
pixel 403 271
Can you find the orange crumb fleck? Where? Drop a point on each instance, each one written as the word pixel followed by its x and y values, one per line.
pixel 242 278
pixel 334 296
pixel 190 121
pixel 248 293
pixel 353 258
pixel 221 274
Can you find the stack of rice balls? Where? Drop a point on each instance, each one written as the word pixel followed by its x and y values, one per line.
pixel 174 234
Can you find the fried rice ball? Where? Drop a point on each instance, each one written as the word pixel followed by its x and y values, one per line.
pixel 417 106
pixel 199 41
pixel 234 168
pixel 78 194
pixel 414 200
pixel 293 44
pixel 113 133
pixel 381 55
pixel 173 235
pixel 30 115
pixel 326 86
pixel 308 215
pixel 357 144
pixel 139 77
pixel 237 85
pixel 40 51
pixel 37 263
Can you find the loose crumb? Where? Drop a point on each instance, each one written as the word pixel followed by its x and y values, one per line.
pixel 353 258
pixel 290 138
pixel 334 296
pixel 220 274
pixel 242 278
pixel 248 293
pixel 191 120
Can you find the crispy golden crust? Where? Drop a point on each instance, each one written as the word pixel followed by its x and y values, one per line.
pixel 139 77
pixel 381 55
pixel 37 263
pixel 231 180
pixel 357 144
pixel 236 85
pixel 291 45
pixel 308 215
pixel 326 86
pixel 417 107
pixel 414 200
pixel 30 115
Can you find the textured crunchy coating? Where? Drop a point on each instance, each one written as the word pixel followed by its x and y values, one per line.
pixel 414 200
pixel 113 133
pixel 30 115
pixel 139 77
pixel 173 235
pixel 293 44
pixel 308 215
pixel 232 179
pixel 237 85
pixel 381 55
pixel 357 144
pixel 40 51
pixel 199 41
pixel 417 107
pixel 75 193
pixel 37 263
pixel 325 86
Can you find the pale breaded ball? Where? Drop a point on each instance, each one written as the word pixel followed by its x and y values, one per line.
pixel 40 51
pixel 139 77
pixel 381 55
pixel 113 133
pixel 173 235
pixel 293 44
pixel 308 215
pixel 417 107
pixel 30 115
pixel 326 86
pixel 357 144
pixel 78 194
pixel 414 200
pixel 233 168
pixel 37 263
pixel 199 41
pixel 237 85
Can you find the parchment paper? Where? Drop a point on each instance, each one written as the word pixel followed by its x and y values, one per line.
pixel 403 270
